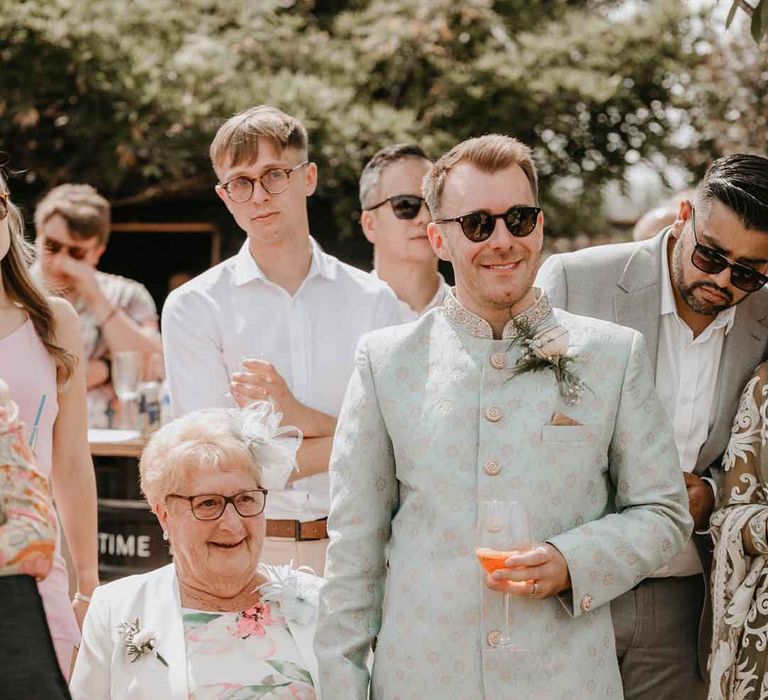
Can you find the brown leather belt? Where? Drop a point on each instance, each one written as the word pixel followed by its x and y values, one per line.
pixel 296 530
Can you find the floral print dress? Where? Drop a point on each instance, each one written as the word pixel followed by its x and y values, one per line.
pixel 244 655
pixel 738 663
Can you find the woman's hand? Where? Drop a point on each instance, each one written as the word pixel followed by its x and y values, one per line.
pixel 80 607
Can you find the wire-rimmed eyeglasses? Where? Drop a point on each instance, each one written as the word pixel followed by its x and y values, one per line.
pixel 274 181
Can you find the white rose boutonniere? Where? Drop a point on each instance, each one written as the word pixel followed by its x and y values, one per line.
pixel 550 343
pixel 139 642
pixel 548 349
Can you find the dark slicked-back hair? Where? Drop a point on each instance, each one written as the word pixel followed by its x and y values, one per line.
pixel 380 161
pixel 740 182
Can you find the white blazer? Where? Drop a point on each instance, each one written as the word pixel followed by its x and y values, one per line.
pixel 104 670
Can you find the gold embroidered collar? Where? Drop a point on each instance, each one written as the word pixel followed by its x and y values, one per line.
pixel 480 328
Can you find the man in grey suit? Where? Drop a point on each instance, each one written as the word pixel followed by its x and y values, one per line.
pixel 696 293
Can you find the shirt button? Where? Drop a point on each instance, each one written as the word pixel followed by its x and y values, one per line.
pixel 498 360
pixel 493 638
pixel 586 603
pixel 492 468
pixel 493 414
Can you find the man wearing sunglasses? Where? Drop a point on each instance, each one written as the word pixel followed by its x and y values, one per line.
pixel 696 292
pixel 475 402
pixel 394 220
pixel 278 321
pixel 72 224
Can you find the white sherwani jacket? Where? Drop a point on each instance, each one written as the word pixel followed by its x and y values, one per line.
pixel 433 422
pixel 104 670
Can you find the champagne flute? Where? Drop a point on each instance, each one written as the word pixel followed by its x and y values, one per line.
pixel 503 529
pixel 126 373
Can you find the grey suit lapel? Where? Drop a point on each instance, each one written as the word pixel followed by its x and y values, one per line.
pixel 637 303
pixel 743 349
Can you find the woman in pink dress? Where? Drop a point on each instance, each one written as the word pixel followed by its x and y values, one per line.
pixel 40 351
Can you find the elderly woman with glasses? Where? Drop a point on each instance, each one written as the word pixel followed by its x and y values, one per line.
pixel 213 624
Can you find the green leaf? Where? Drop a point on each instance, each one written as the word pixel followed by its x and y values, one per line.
pixel 731 14
pixel 250 692
pixel 762 8
pixel 198 619
pixel 291 670
pixel 757 26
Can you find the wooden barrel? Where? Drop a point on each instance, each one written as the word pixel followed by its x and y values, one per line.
pixel 130 539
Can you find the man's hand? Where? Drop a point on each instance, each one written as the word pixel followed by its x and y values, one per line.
pixel 260 381
pixel 538 573
pixel 80 278
pixel 701 500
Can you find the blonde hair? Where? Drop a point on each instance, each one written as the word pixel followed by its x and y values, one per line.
pixel 489 153
pixel 237 140
pixel 22 289
pixel 208 439
pixel 86 212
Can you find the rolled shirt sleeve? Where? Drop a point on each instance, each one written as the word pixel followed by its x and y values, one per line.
pixel 194 363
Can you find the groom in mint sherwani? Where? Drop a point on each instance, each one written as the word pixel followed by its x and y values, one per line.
pixel 494 396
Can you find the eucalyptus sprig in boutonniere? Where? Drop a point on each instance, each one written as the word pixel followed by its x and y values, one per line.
pixel 139 642
pixel 547 349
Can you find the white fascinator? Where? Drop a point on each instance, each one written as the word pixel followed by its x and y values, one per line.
pixel 274 447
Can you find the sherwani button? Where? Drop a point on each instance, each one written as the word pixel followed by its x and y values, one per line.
pixel 498 360
pixel 493 414
pixel 586 603
pixel 492 468
pixel 493 638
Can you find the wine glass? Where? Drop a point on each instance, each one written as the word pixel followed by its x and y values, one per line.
pixel 503 529
pixel 126 373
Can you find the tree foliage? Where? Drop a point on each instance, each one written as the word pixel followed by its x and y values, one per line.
pixel 127 95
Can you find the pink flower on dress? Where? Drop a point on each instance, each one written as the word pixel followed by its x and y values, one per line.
pixel 251 622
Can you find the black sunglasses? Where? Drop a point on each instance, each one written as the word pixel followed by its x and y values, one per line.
pixel 478 225
pixel 708 260
pixel 404 206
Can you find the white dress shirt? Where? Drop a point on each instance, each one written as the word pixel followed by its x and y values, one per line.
pixel 233 311
pixel 407 313
pixel 687 378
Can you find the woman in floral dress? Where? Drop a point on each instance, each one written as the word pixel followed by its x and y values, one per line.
pixel 212 625
pixel 738 663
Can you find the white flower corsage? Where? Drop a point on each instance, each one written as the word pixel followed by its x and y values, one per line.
pixel 548 349
pixel 297 597
pixel 139 642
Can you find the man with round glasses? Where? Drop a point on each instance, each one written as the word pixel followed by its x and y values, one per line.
pixel 278 321
pixel 493 397
pixel 696 293
pixel 394 219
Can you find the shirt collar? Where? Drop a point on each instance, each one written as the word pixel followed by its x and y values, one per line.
pixel 442 291
pixel 471 323
pixel 724 319
pixel 247 270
